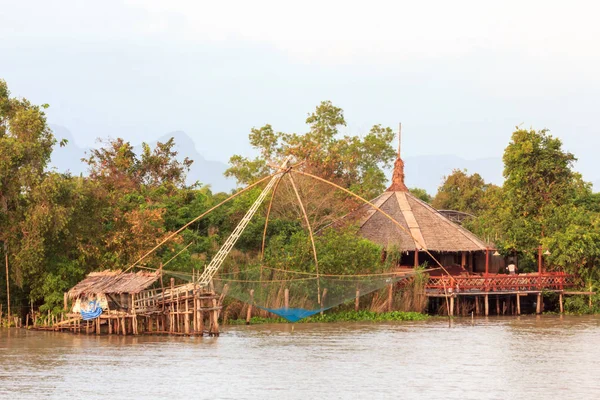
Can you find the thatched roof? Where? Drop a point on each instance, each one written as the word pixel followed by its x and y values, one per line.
pixel 429 230
pixel 114 282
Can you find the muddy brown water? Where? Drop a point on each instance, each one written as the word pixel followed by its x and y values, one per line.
pixel 497 358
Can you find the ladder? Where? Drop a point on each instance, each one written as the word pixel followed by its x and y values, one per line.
pixel 223 252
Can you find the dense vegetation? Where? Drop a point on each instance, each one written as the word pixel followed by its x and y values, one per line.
pixel 55 228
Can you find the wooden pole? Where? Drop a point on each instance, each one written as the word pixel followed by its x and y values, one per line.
pixel 540 267
pixel 451 305
pixel 65 301
pixel 497 305
pixel 286 298
pixel 390 296
pixel 7 283
pixel 477 311
pixel 560 302
pixel 487 261
pixel 249 311
pixel 187 316
pixel 487 305
pixel 416 258
pixel 357 300
pixel 463 260
pixel 518 304
pixel 538 306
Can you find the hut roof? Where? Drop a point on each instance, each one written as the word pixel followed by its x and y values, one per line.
pixel 429 230
pixel 114 282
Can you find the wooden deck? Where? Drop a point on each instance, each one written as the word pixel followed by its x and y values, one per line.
pixel 499 283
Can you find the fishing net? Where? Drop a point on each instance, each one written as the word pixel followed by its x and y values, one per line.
pixel 297 295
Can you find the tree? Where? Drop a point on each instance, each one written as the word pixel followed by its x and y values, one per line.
pixel 353 162
pixel 421 194
pixel 25 147
pixel 462 192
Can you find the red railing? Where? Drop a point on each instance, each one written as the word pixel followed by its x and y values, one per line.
pixel 501 283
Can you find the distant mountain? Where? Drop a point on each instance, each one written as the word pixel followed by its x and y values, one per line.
pixel 205 171
pixel 202 170
pixel 67 158
pixel 428 172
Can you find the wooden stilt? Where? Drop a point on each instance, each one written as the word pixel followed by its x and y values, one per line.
pixel 497 305
pixel 518 304
pixel 560 302
pixel 538 306
pixel 477 305
pixel 487 305
pixel 187 316
pixel 249 310
pixel 451 305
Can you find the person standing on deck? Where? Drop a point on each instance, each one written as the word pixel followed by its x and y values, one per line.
pixel 512 268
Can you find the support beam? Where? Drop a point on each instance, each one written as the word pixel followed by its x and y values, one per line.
pixel 451 305
pixel 416 258
pixel 518 303
pixel 487 261
pixel 487 305
pixel 538 306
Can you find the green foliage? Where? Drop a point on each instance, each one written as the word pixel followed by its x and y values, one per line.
pixel 463 192
pixel 351 161
pixel 421 194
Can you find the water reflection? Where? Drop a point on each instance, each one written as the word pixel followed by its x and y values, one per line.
pixel 485 358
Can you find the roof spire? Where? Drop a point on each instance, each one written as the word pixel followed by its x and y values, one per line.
pixel 399 138
pixel 398 174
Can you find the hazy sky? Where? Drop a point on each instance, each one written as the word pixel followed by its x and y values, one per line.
pixel 459 75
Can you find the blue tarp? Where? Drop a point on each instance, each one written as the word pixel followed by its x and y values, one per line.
pixel 292 314
pixel 94 311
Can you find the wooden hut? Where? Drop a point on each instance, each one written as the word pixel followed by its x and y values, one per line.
pixel 133 303
pixel 455 247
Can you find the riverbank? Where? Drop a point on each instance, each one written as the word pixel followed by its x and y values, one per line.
pixel 342 316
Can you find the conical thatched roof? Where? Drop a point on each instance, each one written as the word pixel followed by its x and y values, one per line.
pixel 429 230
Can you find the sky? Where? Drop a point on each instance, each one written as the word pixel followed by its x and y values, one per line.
pixel 459 75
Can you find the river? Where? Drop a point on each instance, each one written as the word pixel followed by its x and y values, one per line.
pixel 526 357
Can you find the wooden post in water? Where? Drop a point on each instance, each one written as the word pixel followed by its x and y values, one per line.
pixel 518 303
pixel 323 300
pixel 560 302
pixel 451 305
pixel 538 306
pixel 497 305
pixel 187 314
pixel 487 305
pixel 65 301
pixel 172 307
pixel 477 305
pixel 249 311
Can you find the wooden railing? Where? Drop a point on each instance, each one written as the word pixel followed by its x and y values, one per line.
pixel 501 283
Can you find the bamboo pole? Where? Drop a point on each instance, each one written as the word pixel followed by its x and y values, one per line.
pixel 310 233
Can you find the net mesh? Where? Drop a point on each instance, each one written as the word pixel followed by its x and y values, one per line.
pixel 296 295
